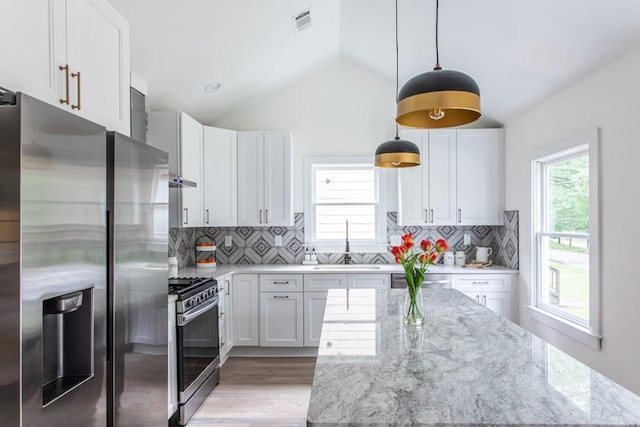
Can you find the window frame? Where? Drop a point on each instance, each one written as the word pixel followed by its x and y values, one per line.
pixel 379 245
pixel 588 332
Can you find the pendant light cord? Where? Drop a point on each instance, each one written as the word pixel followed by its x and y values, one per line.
pixel 437 50
pixel 397 62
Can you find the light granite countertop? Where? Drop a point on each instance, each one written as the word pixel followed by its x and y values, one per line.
pixel 466 367
pixel 225 269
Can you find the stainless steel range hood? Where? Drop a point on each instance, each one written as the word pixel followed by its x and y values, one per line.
pixel 178 181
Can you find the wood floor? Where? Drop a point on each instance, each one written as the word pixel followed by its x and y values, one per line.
pixel 259 392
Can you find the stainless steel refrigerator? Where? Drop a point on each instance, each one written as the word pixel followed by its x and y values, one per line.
pixel 61 333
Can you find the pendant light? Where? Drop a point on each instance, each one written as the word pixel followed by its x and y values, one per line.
pixel 397 153
pixel 438 98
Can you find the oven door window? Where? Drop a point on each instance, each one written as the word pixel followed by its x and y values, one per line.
pixel 200 345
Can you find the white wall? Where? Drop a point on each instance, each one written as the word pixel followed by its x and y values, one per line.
pixel 610 100
pixel 339 110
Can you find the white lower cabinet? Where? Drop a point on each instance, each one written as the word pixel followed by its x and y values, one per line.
pixel 223 302
pixel 315 297
pixel 228 329
pixel 281 319
pixel 287 310
pixel 245 306
pixel 493 291
pixel 314 304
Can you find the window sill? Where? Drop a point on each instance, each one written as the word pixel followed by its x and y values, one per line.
pixel 353 248
pixel 576 332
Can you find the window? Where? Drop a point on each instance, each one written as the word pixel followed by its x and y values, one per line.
pixel 565 237
pixel 340 190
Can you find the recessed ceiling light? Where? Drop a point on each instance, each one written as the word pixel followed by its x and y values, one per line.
pixel 212 87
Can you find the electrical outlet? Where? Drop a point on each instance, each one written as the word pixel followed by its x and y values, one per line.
pixel 227 241
pixel 466 239
pixel 396 240
pixel 278 240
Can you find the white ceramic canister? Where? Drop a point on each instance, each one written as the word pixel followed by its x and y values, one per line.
pixel 448 258
pixel 461 258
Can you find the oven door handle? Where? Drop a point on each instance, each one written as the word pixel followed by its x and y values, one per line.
pixel 183 319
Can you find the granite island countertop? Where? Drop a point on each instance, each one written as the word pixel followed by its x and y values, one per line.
pixel 466 367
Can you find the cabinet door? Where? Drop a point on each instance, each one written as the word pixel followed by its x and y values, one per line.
pixel 281 319
pixel 190 168
pixel 277 179
pixel 220 177
pixel 413 183
pixel 229 313
pixel 222 324
pixel 33 47
pixel 369 281
pixel 441 169
pixel 250 178
pixel 98 49
pixel 245 305
pixel 479 176
pixel 499 302
pixel 314 305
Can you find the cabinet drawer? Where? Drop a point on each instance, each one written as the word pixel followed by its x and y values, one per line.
pixel 482 282
pixel 369 281
pixel 281 283
pixel 323 282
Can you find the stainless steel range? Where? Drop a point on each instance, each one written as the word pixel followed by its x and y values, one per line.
pixel 197 340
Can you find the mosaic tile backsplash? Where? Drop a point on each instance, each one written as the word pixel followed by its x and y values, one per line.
pixel 256 245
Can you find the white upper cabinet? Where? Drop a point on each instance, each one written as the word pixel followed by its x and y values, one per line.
pixel 191 136
pixel 264 179
pixel 73 54
pixel 480 176
pixel 220 177
pixel 428 192
pixel 459 181
pixel 33 45
pixel 182 137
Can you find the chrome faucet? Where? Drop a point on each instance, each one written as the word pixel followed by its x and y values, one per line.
pixel 347 257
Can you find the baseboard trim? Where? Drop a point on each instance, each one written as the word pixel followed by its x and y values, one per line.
pixel 274 352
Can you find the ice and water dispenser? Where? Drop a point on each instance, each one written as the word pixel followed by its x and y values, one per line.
pixel 67 343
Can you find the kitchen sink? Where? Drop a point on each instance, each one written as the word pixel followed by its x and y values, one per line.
pixel 346 267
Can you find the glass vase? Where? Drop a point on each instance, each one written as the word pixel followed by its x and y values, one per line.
pixel 413 307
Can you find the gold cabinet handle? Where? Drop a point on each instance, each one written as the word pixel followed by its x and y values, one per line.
pixel 266 216
pixel 77 106
pixel 260 216
pixel 66 79
pixel 186 216
pixel 207 210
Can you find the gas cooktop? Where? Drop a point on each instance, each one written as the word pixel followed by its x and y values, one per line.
pixel 184 287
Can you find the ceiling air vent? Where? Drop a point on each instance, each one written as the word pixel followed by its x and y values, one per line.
pixel 302 20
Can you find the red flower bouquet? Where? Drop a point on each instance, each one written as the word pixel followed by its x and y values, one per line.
pixel 415 264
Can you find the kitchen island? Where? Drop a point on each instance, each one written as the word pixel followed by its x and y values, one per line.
pixel 466 366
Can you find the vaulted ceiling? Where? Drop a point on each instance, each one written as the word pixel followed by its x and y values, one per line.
pixel 519 52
